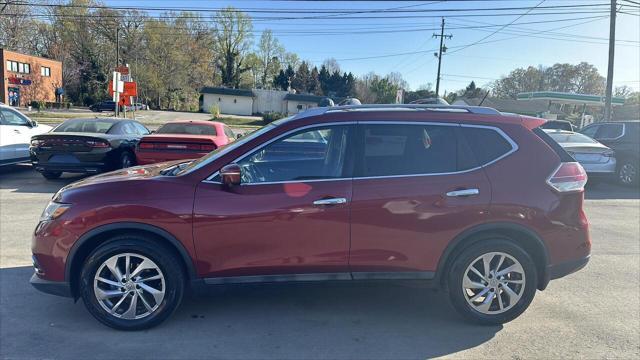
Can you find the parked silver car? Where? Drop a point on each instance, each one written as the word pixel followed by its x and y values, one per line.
pixel 597 159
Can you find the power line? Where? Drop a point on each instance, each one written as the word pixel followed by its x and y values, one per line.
pixel 498 30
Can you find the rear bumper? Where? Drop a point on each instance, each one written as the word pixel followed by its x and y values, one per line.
pixel 153 157
pixel 83 168
pixel 563 269
pixel 600 169
pixel 59 288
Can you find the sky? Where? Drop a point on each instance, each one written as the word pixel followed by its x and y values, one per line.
pixel 389 41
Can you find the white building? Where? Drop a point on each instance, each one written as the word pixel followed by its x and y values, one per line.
pixel 256 101
pixel 231 101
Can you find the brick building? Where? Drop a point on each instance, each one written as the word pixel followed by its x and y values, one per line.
pixel 27 78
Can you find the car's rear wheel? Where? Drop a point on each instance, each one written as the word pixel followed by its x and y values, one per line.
pixel 131 283
pixel 51 175
pixel 126 160
pixel 628 172
pixel 492 282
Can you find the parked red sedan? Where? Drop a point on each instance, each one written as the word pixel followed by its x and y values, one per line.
pixel 180 140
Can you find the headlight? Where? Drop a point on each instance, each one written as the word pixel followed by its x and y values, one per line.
pixel 53 211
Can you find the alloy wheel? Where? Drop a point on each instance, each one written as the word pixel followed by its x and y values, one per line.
pixel 129 286
pixel 493 283
pixel 627 173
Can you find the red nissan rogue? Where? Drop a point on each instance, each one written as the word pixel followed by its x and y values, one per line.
pixel 482 204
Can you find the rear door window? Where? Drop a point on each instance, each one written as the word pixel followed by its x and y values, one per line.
pixel 590 131
pixel 486 143
pixel 407 149
pixel 610 131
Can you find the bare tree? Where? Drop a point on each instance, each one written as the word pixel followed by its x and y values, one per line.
pixel 232 35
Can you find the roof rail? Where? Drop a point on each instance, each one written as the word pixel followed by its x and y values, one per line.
pixel 415 107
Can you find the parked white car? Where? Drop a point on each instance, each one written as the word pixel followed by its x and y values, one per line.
pixel 16 130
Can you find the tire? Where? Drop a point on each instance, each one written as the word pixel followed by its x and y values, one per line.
pixel 463 298
pixel 126 160
pixel 51 175
pixel 628 172
pixel 151 308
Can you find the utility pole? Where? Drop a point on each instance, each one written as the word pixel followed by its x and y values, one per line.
pixel 441 49
pixel 612 48
pixel 118 46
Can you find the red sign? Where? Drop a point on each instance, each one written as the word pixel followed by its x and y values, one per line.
pixel 19 81
pixel 123 70
pixel 130 89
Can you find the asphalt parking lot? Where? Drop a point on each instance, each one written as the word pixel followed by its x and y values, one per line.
pixel 594 313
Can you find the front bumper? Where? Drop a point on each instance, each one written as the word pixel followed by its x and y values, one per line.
pixel 59 288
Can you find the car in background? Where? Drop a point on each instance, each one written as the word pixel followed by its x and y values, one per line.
pixel 559 125
pixel 137 106
pixel 16 130
pixel 86 146
pixel 188 139
pixel 597 159
pixel 103 106
pixel 623 137
pixel 442 196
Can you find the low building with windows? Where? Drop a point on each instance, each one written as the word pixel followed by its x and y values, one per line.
pixel 256 101
pixel 27 78
pixel 296 103
pixel 230 101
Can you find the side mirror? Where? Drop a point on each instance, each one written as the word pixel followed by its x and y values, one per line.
pixel 34 123
pixel 231 175
pixel 238 136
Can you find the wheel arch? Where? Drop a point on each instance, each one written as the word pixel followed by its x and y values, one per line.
pixel 520 235
pixel 94 237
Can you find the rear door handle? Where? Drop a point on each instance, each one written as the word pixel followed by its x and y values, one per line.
pixel 464 192
pixel 331 201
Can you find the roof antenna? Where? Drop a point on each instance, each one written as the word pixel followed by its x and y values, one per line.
pixel 485 96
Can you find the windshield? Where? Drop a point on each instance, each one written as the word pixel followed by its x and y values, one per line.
pixel 85 126
pixel 571 138
pixel 187 128
pixel 194 165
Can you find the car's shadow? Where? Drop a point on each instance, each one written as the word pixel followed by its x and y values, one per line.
pixel 267 322
pixel 22 178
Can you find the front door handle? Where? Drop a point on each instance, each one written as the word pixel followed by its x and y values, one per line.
pixel 463 192
pixel 330 201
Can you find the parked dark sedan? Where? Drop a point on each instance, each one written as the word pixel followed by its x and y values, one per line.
pixel 86 146
pixel 103 106
pixel 624 138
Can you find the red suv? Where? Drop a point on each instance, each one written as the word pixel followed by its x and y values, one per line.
pixel 482 204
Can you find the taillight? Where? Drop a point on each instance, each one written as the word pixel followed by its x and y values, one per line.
pixel 37 142
pixel 146 146
pixel 568 177
pixel 609 153
pixel 97 144
pixel 207 147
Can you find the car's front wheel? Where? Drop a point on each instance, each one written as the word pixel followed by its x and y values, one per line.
pixel 492 282
pixel 131 283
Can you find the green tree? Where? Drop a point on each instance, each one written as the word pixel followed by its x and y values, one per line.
pixel 269 64
pixel 232 34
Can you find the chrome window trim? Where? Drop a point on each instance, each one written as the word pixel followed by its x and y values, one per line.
pixel 514 148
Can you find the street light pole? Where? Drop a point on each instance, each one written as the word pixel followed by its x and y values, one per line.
pixel 612 48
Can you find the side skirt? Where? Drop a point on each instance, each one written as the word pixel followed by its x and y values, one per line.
pixel 320 277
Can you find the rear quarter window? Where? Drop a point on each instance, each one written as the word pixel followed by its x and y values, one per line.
pixel 487 144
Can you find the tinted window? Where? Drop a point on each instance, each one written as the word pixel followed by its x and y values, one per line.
pixel 487 144
pixel 590 131
pixel 88 126
pixel 307 155
pixel 186 128
pixel 229 133
pixel 141 129
pixel 571 138
pixel 408 149
pixel 10 117
pixel 129 129
pixel 610 131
